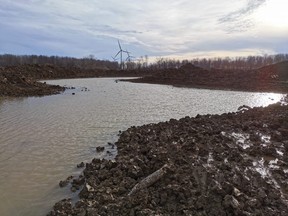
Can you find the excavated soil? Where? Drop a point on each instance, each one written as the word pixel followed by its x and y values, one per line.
pixel 229 164
pixel 20 86
pixel 21 80
pixel 272 78
pixel 18 81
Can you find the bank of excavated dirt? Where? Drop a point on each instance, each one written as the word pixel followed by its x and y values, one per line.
pixel 229 164
pixel 271 78
pixel 19 86
pixel 21 80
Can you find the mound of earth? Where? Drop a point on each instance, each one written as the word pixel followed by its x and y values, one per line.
pixel 21 80
pixel 277 71
pixel 272 78
pixel 19 85
pixel 229 164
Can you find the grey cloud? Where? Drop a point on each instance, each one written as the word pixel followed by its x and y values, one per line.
pixel 238 21
pixel 248 9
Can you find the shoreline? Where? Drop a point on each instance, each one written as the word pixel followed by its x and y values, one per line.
pixel 207 87
pixel 23 80
pixel 271 78
pixel 18 81
pixel 233 163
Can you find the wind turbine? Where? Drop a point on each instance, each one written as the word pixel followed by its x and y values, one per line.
pixel 114 59
pixel 129 57
pixel 121 51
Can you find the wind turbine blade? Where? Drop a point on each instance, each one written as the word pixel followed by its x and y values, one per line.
pixel 117 54
pixel 119 45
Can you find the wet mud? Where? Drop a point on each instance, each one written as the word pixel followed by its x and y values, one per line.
pixel 229 164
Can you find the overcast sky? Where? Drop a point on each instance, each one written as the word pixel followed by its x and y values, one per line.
pixel 166 28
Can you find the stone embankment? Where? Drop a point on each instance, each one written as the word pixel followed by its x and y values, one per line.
pixel 228 164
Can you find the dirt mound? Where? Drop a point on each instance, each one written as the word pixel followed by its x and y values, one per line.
pixel 229 164
pixel 18 85
pixel 273 78
pixel 277 71
pixel 185 72
pixel 21 80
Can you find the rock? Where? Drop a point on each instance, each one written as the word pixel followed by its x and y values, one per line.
pixel 81 165
pixel 65 182
pixel 231 201
pixel 100 148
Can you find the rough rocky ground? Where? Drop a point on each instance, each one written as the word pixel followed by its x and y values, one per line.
pixel 229 164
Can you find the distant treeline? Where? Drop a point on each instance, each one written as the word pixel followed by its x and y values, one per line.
pixel 242 63
pixel 68 62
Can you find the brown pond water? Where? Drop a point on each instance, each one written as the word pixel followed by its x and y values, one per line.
pixel 42 139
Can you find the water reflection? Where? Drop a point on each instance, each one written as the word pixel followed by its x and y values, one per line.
pixel 42 139
pixel 267 98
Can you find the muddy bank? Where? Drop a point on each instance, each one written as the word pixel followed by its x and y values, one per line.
pixel 12 85
pixel 22 80
pixel 49 71
pixel 272 78
pixel 229 164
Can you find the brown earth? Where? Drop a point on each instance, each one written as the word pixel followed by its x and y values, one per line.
pixel 272 78
pixel 14 85
pixel 229 164
pixel 22 80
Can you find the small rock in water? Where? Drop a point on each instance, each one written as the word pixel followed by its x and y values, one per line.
pixel 112 145
pixel 81 165
pixel 65 182
pixel 100 149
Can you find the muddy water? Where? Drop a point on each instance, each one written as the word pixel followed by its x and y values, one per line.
pixel 42 139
